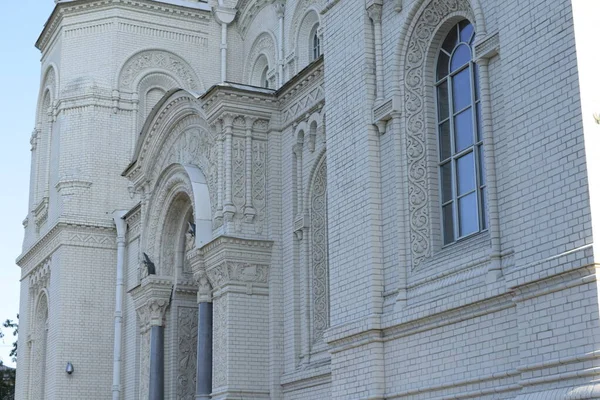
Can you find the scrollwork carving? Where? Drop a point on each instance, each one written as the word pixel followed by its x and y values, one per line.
pixel 237 273
pixel 259 183
pixel 144 365
pixel 220 343
pixel 187 327
pixel 414 81
pixel 319 261
pixel 154 59
pixel 239 180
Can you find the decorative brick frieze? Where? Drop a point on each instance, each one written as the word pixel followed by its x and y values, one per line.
pixel 192 14
pixel 237 262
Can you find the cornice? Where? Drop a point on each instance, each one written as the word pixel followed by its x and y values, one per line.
pixel 311 73
pixel 92 234
pixel 238 99
pixel 65 8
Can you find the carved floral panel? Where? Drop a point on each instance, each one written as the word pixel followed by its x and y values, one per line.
pixel 319 261
pixel 187 327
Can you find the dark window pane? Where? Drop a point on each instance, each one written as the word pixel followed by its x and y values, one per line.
pixel 443 105
pixel 442 66
pixel 451 40
pixel 479 123
pixel 483 209
pixel 463 130
pixel 481 166
pixel 445 149
pixel 476 79
pixel 461 90
pixel 446 175
pixel 466 31
pixel 467 214
pixel 461 56
pixel 465 173
pixel 448 224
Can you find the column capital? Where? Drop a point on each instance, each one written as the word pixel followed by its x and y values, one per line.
pixel 196 259
pixel 279 6
pixel 374 8
pixel 151 299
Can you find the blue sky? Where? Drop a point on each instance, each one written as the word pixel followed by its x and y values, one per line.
pixel 20 24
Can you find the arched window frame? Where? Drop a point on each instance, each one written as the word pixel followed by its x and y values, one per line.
pixel 314 43
pixel 458 197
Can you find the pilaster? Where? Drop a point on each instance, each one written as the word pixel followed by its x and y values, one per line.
pixel 238 271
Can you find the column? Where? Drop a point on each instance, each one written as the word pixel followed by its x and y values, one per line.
pixel 280 11
pixel 157 363
pixel 151 299
pixel 205 328
pixel 249 211
pixel 374 11
pixel 229 208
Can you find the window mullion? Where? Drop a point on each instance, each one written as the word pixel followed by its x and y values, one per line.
pixel 455 217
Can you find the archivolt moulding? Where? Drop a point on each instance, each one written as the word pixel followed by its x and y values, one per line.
pixel 264 44
pixel 175 183
pixel 148 61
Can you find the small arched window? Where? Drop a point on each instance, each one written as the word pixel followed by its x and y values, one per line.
pixel 264 80
pixel 315 43
pixel 460 136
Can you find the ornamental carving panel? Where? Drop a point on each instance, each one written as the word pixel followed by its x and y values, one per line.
pixel 219 343
pixel 239 179
pixel 319 261
pixel 416 129
pixel 240 273
pixel 156 59
pixel 145 365
pixel 259 183
pixel 187 326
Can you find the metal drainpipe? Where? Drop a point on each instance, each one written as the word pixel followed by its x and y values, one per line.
pixel 121 229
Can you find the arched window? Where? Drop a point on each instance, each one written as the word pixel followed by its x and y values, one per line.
pixel 315 43
pixel 263 78
pixel 460 136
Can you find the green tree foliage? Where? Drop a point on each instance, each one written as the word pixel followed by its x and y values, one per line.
pixel 10 324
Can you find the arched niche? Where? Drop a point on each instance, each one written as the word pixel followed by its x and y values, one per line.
pixel 304 20
pixel 151 61
pixel 261 58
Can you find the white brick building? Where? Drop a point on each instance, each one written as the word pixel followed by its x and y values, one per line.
pixel 314 199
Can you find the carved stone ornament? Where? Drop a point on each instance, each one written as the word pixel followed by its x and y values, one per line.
pixel 230 273
pixel 232 261
pixel 158 59
pixel 319 253
pixel 187 341
pixel 415 86
pixel 220 362
pixel 196 260
pixel 152 298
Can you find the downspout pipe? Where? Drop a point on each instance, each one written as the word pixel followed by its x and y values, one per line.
pixel 224 16
pixel 118 218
